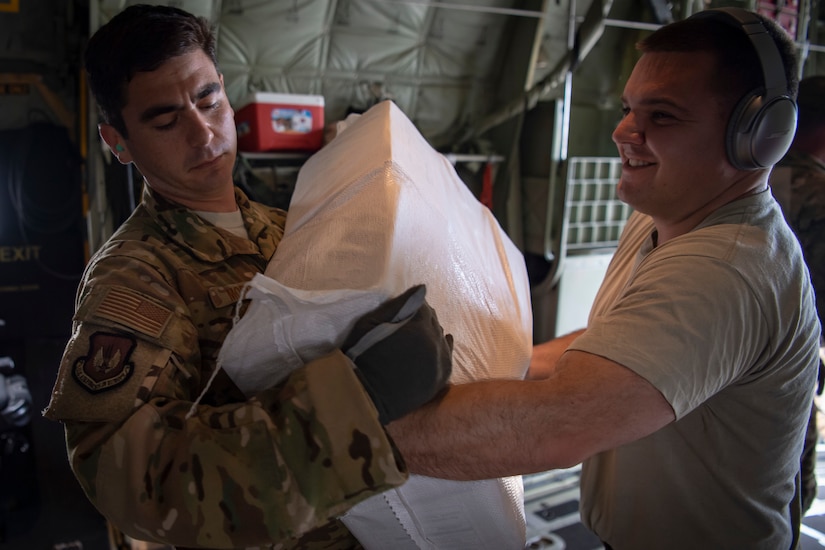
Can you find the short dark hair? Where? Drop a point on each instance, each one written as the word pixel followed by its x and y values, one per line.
pixel 139 39
pixel 738 67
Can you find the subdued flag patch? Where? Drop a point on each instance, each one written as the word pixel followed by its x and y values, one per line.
pixel 134 311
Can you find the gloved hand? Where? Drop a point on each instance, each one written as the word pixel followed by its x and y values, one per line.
pixel 401 354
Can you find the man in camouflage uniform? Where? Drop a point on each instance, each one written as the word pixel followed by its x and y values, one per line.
pixel 798 183
pixel 155 305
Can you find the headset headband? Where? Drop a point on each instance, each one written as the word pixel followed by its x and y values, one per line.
pixel 773 72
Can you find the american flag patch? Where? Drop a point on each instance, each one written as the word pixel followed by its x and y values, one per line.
pixel 133 310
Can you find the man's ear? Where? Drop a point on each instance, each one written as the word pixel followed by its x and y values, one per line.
pixel 115 142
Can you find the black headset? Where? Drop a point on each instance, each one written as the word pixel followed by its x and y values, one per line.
pixel 763 123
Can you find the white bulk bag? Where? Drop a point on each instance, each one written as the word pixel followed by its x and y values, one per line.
pixel 374 212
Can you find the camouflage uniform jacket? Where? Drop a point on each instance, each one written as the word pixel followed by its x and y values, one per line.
pixel 152 310
pixel 805 213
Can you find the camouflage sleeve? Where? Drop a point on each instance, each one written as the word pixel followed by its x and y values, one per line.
pixel 808 222
pixel 271 469
pixel 814 250
pixel 235 473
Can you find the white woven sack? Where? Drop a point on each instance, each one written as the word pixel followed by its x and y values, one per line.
pixel 379 210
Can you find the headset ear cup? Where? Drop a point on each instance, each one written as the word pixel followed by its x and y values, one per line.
pixel 774 131
pixel 760 133
pixel 737 140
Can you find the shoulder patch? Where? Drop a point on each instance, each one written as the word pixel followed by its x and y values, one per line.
pixel 107 364
pixel 134 310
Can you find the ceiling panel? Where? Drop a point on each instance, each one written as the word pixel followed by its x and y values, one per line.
pixel 436 60
pixel 441 62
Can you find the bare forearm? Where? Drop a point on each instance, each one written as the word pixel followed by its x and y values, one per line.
pixel 506 427
pixel 476 431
